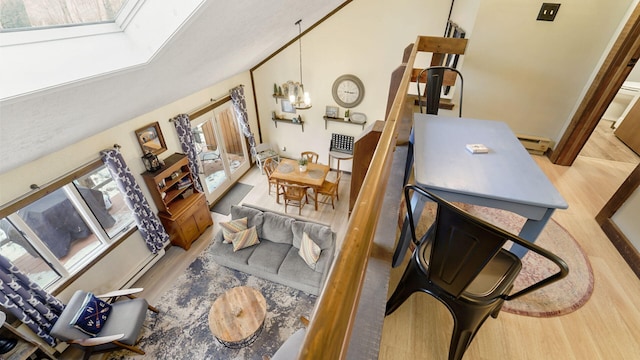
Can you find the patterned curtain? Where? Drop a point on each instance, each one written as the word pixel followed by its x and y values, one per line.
pixel 27 301
pixel 183 128
pixel 240 106
pixel 149 225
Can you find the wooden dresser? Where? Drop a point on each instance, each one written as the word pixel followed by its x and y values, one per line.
pixel 182 209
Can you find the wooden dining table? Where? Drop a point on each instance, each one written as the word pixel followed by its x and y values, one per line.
pixel 289 171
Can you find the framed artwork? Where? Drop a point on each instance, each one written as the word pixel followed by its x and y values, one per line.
pixel 287 107
pixel 332 112
pixel 150 139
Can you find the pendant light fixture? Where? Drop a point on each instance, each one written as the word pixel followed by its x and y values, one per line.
pixel 299 98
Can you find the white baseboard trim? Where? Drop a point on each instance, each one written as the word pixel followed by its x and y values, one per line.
pixel 137 273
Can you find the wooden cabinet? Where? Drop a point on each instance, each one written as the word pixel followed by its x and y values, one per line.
pixel 183 210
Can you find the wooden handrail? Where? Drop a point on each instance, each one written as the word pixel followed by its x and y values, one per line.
pixel 329 333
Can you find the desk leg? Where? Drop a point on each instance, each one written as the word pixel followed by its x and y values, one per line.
pixel 417 205
pixel 530 232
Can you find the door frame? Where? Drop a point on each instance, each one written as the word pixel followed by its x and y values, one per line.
pixel 213 197
pixel 621 59
pixel 614 71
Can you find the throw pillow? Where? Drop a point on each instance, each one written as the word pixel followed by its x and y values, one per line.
pixel 245 238
pixel 92 315
pixel 230 228
pixel 309 251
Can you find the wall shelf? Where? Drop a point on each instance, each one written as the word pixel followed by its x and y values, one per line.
pixel 279 97
pixel 341 120
pixel 276 120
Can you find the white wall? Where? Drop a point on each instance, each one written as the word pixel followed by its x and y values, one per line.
pixel 532 73
pixel 634 75
pixel 111 270
pixel 366 39
pixel 528 73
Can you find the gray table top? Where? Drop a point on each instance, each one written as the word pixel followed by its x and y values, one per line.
pixel 506 173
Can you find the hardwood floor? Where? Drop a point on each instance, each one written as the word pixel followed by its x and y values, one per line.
pixel 607 327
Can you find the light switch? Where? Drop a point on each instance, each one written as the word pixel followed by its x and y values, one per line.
pixel 548 11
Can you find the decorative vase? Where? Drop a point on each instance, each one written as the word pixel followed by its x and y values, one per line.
pixel 303 168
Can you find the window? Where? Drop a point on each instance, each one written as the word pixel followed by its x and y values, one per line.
pixel 25 14
pixel 56 232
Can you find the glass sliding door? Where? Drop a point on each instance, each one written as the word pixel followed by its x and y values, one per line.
pixel 221 148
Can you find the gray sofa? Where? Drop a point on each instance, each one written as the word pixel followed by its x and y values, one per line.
pixel 276 257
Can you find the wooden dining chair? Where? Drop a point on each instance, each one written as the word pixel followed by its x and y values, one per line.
pixel 294 195
pixel 270 166
pixel 329 190
pixel 311 156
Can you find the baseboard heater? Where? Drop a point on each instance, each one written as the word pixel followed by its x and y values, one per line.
pixel 534 144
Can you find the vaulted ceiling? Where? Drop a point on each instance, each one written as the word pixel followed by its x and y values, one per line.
pixel 219 40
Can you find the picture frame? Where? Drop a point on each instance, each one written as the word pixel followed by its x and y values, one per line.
pixel 150 139
pixel 287 107
pixel 331 112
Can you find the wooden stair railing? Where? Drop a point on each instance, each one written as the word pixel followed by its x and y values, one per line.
pixel 329 333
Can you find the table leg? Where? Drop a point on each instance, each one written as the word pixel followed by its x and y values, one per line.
pixel 315 198
pixel 530 231
pixel 417 205
pixel 277 191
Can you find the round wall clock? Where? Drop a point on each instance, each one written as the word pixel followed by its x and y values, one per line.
pixel 348 91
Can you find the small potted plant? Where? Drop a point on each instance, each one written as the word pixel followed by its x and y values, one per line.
pixel 346 115
pixel 302 163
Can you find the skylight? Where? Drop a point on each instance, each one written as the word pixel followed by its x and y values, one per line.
pixel 18 15
pixel 60 55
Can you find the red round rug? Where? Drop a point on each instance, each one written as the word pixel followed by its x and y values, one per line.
pixel 560 298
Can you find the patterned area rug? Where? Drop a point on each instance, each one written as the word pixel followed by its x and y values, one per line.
pixel 559 298
pixel 181 330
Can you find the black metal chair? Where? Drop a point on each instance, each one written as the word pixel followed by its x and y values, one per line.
pixel 460 261
pixel 435 80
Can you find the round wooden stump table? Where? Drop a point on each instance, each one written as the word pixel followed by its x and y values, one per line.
pixel 237 316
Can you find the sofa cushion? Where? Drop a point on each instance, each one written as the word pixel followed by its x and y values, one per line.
pixel 231 227
pixel 245 238
pixel 320 234
pixel 294 269
pixel 309 251
pixel 254 217
pixel 268 256
pixel 225 251
pixel 277 228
